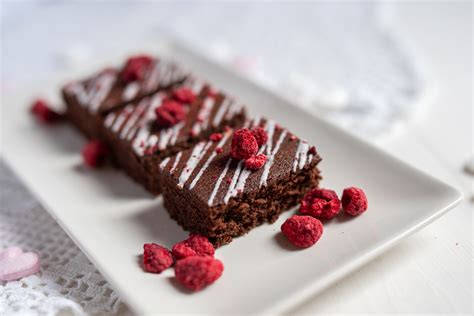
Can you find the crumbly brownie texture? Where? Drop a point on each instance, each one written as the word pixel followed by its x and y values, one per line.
pixel 138 144
pixel 106 91
pixel 209 193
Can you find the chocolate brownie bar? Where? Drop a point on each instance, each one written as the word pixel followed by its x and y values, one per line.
pixel 88 99
pixel 209 193
pixel 138 143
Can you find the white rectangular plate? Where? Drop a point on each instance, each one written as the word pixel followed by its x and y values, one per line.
pixel 110 217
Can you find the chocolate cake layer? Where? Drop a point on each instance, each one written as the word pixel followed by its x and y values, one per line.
pixel 214 195
pixel 139 145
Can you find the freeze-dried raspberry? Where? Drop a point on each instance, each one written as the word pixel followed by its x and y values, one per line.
pixel 320 203
pixel 260 135
pixel 255 162
pixel 156 258
pixel 195 245
pixel 95 153
pixel 312 150
pixel 244 145
pixel 135 68
pixel 169 113
pixel 216 137
pixel 195 273
pixel 354 201
pixel 219 150
pixel 302 231
pixel 184 95
pixel 44 113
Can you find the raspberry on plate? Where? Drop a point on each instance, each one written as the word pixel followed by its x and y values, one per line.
pixel 95 153
pixel 156 258
pixel 302 231
pixel 43 112
pixel 195 245
pixel 320 203
pixel 354 201
pixel 195 273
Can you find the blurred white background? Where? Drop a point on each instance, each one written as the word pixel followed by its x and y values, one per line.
pixel 397 73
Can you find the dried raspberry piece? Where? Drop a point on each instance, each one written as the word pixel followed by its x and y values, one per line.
pixel 244 145
pixel 184 95
pixel 195 273
pixel 195 245
pixel 312 150
pixel 216 137
pixel 320 203
pixel 255 162
pixel 219 150
pixel 135 68
pixel 44 113
pixel 302 231
pixel 156 258
pixel 95 153
pixel 260 135
pixel 169 113
pixel 354 201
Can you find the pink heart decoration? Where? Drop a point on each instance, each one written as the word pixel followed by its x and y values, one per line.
pixel 16 264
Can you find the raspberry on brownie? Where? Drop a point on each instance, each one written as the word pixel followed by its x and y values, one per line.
pixel 108 89
pixel 212 194
pixel 143 133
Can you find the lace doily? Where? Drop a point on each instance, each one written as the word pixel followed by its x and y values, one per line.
pixel 341 60
pixel 67 280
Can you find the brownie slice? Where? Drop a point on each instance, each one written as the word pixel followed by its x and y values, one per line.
pixel 209 193
pixel 139 145
pixel 88 99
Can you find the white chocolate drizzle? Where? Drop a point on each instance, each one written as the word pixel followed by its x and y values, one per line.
pixel 142 139
pixel 220 113
pixel 130 91
pixel 203 116
pixel 176 161
pixel 130 127
pixel 94 95
pixel 271 158
pixel 196 156
pixel 163 74
pixel 218 183
pixel 121 118
pixel 164 162
pixel 209 160
pixel 169 135
pixel 300 156
pixel 109 119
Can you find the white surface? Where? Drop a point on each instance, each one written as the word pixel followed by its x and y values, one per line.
pixel 342 60
pixel 429 272
pixel 110 218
